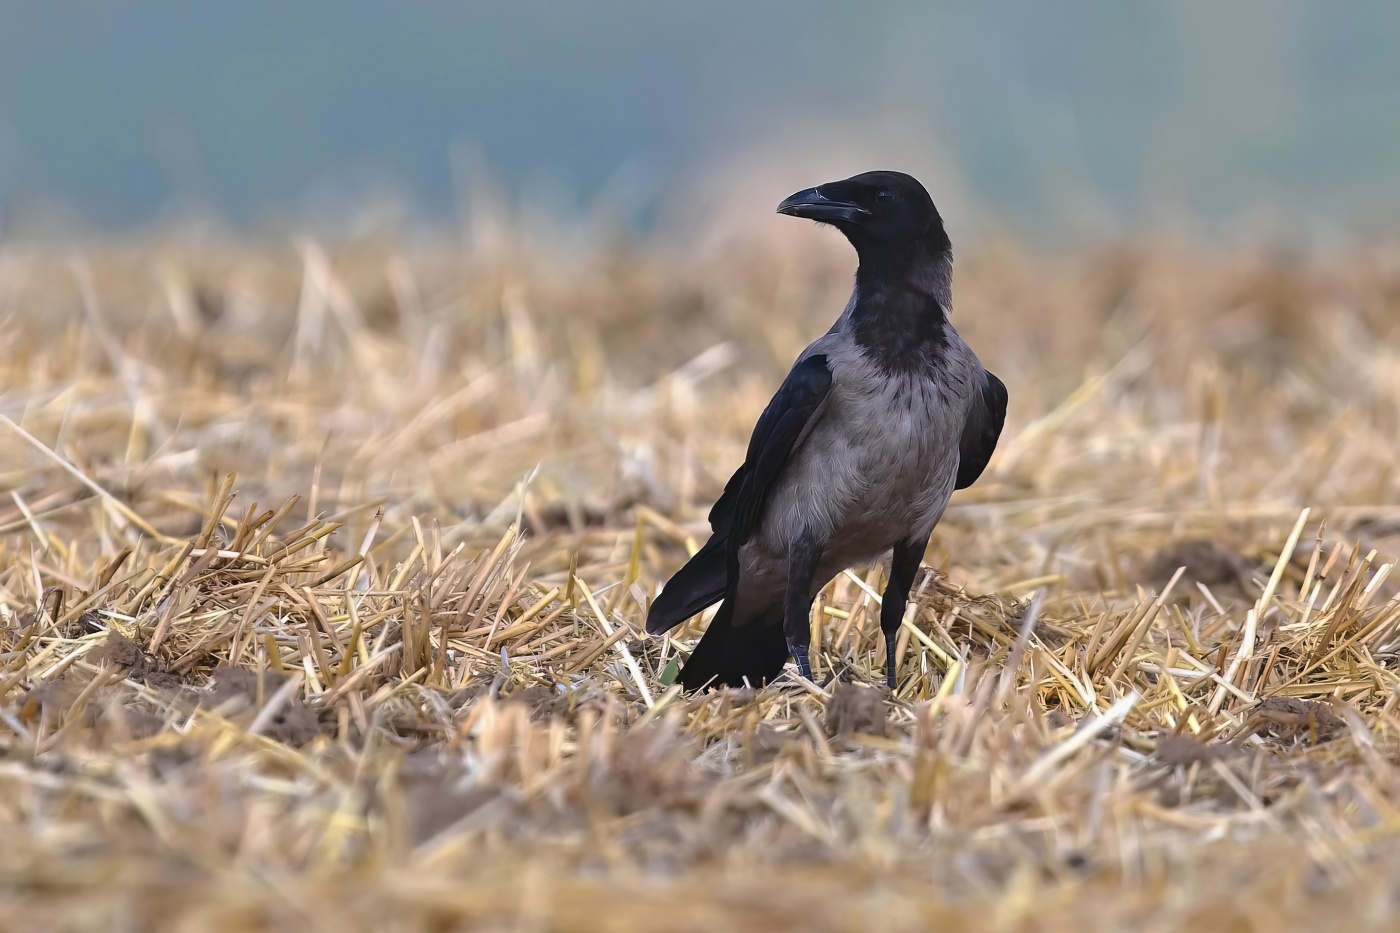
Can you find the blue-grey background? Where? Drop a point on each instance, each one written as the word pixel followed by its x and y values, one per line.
pixel 1084 116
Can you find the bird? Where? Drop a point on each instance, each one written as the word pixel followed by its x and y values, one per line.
pixel 877 423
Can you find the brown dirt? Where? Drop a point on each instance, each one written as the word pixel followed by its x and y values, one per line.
pixel 855 708
pixel 236 689
pixel 1207 562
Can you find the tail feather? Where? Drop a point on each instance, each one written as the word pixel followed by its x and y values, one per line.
pixel 729 654
pixel 695 587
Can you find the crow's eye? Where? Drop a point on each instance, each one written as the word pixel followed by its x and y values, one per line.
pixel 885 195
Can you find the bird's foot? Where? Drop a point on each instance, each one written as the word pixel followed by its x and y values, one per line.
pixel 889 663
pixel 799 655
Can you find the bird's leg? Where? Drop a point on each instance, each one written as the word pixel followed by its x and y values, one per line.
pixel 903 567
pixel 803 556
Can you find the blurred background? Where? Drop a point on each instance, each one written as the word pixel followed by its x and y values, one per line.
pixel 1260 118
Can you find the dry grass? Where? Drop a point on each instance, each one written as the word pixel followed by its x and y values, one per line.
pixel 322 582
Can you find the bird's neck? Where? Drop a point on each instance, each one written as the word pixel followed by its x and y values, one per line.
pixel 900 306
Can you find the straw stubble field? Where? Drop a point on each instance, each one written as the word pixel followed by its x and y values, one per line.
pixel 323 574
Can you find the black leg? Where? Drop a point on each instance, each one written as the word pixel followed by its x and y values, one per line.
pixel 904 566
pixel 803 557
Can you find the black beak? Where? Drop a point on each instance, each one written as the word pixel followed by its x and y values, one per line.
pixel 814 205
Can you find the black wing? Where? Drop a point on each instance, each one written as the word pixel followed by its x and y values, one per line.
pixel 696 586
pixel 780 430
pixel 980 433
pixel 735 516
pixel 722 512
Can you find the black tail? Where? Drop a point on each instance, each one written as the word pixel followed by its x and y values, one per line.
pixel 729 654
pixel 695 587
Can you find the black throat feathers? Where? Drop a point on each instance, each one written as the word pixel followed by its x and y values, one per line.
pixel 900 312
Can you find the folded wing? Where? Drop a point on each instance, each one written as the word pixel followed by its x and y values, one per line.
pixel 736 516
pixel 983 428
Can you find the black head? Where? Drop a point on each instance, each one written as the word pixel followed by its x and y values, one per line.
pixel 873 209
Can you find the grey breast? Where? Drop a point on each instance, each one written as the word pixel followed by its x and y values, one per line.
pixel 880 463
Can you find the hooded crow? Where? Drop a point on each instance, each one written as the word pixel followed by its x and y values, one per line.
pixel 857 454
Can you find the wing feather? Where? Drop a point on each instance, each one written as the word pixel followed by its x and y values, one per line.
pixel 982 429
pixel 736 516
pixel 776 437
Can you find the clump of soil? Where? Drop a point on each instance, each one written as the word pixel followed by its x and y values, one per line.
pixel 854 708
pixel 542 701
pixel 53 697
pixel 1291 718
pixel 1206 562
pixel 1184 750
pixel 436 796
pixel 547 702
pixel 235 690
pixel 122 653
